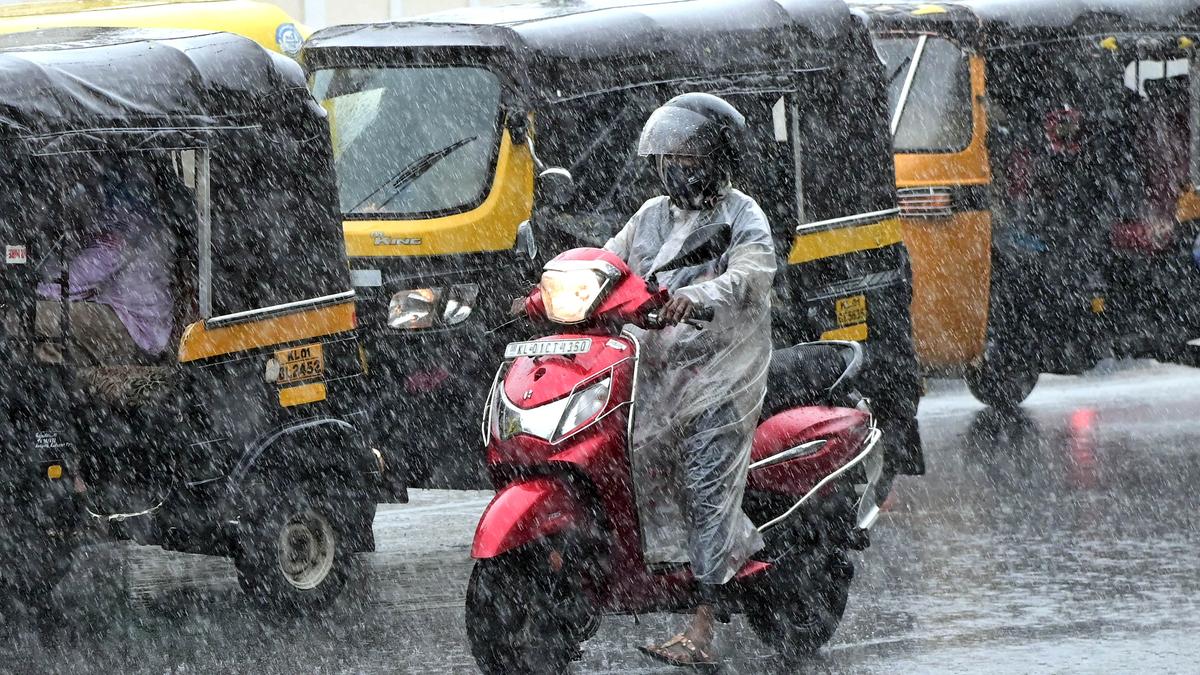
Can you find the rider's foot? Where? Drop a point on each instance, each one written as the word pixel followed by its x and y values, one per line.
pixel 684 652
pixel 691 648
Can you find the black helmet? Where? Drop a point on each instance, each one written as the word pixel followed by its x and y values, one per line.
pixel 698 126
pixel 694 125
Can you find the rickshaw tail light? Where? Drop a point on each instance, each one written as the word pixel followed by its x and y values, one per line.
pixel 926 202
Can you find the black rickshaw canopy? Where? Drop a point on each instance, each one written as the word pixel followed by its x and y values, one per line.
pixel 559 51
pixel 998 23
pixel 98 81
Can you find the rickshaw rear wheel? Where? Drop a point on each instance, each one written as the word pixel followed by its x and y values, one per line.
pixel 1001 383
pixel 294 555
pixel 41 559
pixel 37 576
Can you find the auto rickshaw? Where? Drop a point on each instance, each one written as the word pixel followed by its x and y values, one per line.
pixel 266 24
pixel 472 145
pixel 1044 159
pixel 175 189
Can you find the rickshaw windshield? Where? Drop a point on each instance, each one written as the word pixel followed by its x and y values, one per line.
pixel 929 93
pixel 411 141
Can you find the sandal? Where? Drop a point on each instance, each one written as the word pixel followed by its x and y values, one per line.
pixel 682 652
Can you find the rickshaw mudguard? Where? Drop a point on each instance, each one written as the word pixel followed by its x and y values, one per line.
pixel 524 512
pixel 287 451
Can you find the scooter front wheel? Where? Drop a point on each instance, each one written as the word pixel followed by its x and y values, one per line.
pixel 512 619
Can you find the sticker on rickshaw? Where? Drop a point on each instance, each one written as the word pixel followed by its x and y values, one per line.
pixel 15 255
pixel 851 310
pixel 300 363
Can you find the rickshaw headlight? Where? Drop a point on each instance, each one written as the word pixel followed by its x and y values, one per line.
pixel 419 307
pixel 413 308
pixel 460 302
pixel 571 293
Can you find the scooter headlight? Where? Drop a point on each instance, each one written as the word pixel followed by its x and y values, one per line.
pixel 572 289
pixel 584 406
pixel 552 421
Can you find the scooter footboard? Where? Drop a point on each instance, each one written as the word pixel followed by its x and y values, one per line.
pixel 523 512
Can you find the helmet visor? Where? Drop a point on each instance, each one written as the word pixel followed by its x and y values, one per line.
pixel 677 131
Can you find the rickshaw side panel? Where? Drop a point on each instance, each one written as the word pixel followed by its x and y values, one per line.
pixel 951 252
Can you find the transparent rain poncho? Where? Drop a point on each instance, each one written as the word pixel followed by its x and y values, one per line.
pixel 700 391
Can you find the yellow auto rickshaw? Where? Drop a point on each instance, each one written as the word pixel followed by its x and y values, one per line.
pixel 471 145
pixel 1045 166
pixel 178 340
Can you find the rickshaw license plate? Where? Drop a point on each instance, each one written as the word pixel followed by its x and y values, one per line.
pixel 300 363
pixel 547 348
pixel 852 310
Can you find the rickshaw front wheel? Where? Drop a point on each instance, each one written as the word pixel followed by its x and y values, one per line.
pixel 294 555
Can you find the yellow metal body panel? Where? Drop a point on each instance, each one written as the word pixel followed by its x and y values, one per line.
pixel 844 240
pixel 1189 207
pixel 951 257
pixel 258 21
pixel 305 393
pixel 492 226
pixel 200 342
pixel 849 333
pixel 952 260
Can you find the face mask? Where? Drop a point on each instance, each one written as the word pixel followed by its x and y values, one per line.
pixel 690 187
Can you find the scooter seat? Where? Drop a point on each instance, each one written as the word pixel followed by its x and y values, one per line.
pixel 802 375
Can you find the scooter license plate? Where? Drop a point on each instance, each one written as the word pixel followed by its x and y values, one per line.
pixel 547 348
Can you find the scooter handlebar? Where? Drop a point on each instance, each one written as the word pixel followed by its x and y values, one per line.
pixel 703 314
pixel 699 318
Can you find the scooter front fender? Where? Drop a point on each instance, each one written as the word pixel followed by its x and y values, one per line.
pixel 523 512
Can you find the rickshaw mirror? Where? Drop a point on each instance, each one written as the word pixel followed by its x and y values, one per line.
pixel 517 123
pixel 555 187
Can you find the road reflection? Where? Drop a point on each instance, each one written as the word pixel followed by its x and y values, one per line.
pixel 1018 454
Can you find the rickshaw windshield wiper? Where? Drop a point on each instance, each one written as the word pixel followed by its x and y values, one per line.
pixel 410 173
pixel 905 90
pixel 900 69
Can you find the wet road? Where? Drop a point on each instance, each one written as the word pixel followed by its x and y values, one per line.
pixel 1061 540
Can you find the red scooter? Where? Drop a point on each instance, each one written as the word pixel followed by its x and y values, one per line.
pixel 559 545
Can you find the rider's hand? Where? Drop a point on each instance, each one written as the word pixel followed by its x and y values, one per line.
pixel 677 310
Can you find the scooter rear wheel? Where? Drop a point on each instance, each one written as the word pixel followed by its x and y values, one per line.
pixel 512 622
pixel 799 609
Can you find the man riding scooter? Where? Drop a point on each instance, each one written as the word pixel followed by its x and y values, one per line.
pixel 702 388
